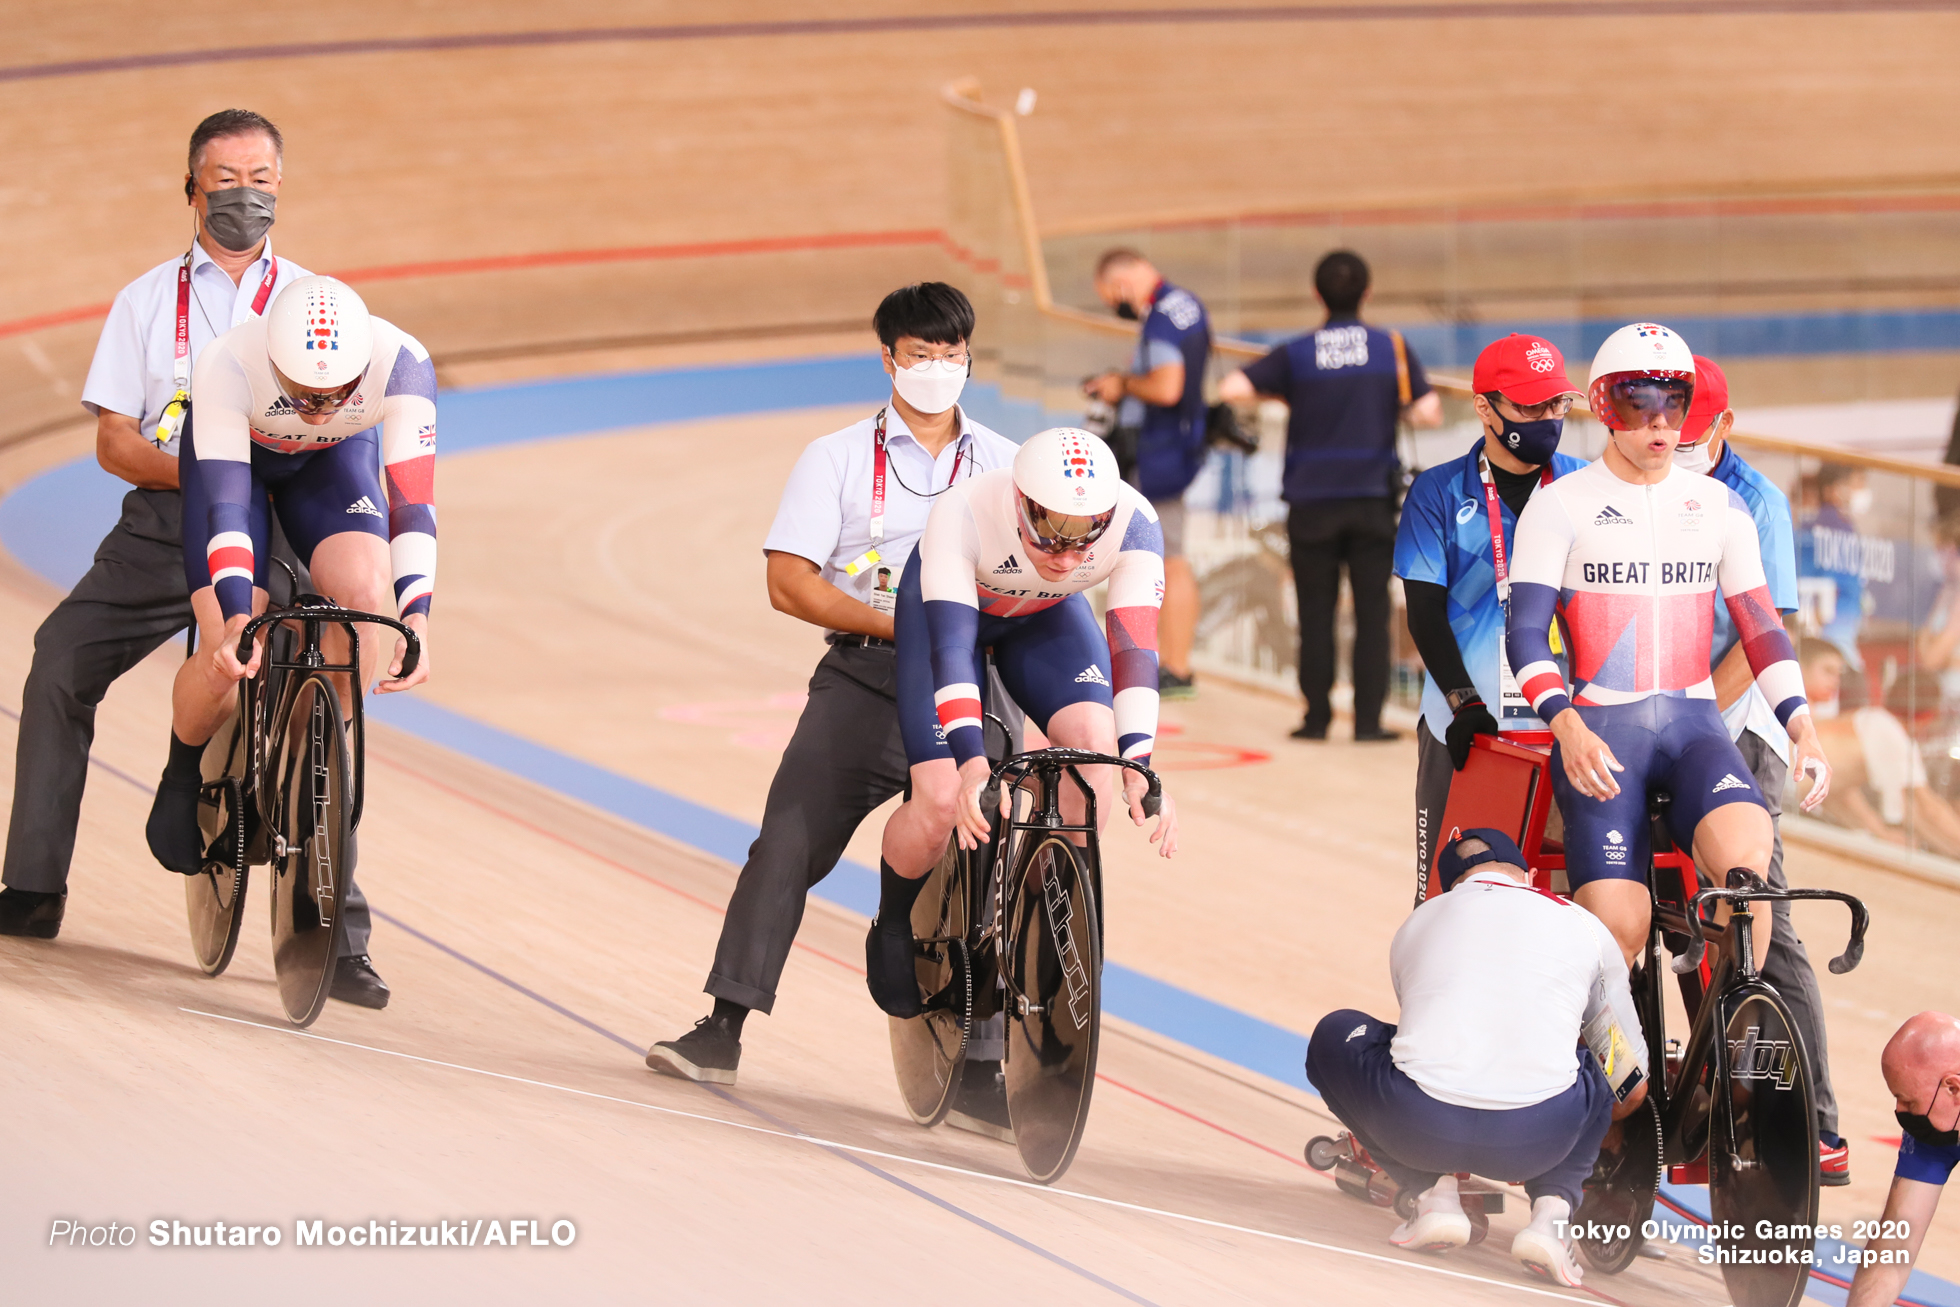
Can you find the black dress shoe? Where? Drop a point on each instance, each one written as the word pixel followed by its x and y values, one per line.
pixel 1376 736
pixel 710 1052
pixel 1310 731
pixel 31 913
pixel 355 981
pixel 890 971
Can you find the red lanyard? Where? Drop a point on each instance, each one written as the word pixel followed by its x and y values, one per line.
pixel 878 477
pixel 180 365
pixel 1498 561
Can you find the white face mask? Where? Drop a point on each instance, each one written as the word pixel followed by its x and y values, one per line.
pixel 1693 458
pixel 1861 501
pixel 1824 709
pixel 932 387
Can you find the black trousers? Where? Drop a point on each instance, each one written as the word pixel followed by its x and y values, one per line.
pixel 1324 535
pixel 845 759
pixel 130 602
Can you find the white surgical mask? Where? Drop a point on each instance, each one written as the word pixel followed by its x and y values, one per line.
pixel 1861 501
pixel 932 387
pixel 1693 458
pixel 1824 710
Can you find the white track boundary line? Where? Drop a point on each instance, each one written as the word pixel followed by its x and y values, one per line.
pixel 909 1161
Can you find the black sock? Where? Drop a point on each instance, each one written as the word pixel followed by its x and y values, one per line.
pixel 186 761
pixel 731 1014
pixel 896 895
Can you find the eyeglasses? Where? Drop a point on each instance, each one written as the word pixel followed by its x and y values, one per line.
pixel 1556 407
pixel 1061 533
pixel 311 402
pixel 958 355
pixel 1637 401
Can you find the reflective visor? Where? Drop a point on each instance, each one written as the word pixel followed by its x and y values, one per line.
pixel 1058 533
pixel 305 399
pixel 1636 400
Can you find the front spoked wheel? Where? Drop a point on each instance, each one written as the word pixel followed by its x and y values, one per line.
pixel 929 1051
pixel 1762 1151
pixel 214 899
pixel 309 885
pixel 1054 997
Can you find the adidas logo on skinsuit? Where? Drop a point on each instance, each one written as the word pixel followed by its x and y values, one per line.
pixel 1611 516
pixel 280 405
pixel 1091 676
pixel 1729 782
pixel 1008 568
pixel 364 505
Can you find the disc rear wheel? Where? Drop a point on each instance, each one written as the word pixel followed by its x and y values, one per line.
pixel 309 885
pixel 1054 996
pixel 1619 1196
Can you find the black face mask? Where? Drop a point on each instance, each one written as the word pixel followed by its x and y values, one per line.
pixel 1920 1127
pixel 1126 311
pixel 1532 442
pixel 238 218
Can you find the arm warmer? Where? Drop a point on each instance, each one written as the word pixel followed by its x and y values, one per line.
pixel 1429 627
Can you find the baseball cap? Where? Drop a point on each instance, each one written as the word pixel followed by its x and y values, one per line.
pixel 1524 369
pixel 1711 398
pixel 1452 864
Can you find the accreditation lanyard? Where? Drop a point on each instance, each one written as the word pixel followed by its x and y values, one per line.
pixel 1514 713
pixel 879 465
pixel 172 420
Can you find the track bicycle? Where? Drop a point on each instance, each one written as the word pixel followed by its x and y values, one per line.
pixel 1014 928
pixel 284 779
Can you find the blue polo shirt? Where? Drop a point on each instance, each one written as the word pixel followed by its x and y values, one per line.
pixel 1930 1163
pixel 1339 384
pixel 1170 437
pixel 1444 539
pixel 1775 533
pixel 1830 558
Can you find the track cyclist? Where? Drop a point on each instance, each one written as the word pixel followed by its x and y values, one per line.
pixel 289 408
pixel 1003 563
pixel 1628 553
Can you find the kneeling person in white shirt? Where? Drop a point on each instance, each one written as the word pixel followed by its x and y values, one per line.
pixel 1490 1079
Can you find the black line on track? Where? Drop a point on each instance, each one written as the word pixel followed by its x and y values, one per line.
pixel 1186 16
pixel 775 1121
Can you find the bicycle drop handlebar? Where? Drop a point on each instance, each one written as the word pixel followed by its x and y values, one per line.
pixel 1021 764
pixel 326 611
pixel 1749 889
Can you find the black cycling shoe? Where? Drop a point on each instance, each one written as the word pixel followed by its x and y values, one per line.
pixel 355 981
pixel 31 913
pixel 710 1052
pixel 172 832
pixel 890 972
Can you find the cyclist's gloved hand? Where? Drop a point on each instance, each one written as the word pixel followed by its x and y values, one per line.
pixel 1471 720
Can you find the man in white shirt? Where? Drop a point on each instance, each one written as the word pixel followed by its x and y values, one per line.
pixel 1491 1078
pixel 134 597
pixel 854 506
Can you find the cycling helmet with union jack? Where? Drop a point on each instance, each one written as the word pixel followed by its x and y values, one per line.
pixel 1066 484
pixel 1643 369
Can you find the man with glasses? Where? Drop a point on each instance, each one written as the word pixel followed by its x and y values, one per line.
pixel 1629 552
pixel 1452 551
pixel 851 512
pixel 1003 565
pixel 133 598
pixel 299 413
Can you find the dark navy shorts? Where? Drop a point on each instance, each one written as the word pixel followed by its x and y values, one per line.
pixel 319 493
pixel 1047 660
pixel 1668 743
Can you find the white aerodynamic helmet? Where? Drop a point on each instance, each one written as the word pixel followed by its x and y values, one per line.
pixel 1641 369
pixel 319 338
pixel 1066 483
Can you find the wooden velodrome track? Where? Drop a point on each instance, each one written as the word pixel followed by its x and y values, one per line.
pixel 602 597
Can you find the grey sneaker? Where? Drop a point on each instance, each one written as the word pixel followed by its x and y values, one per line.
pixel 710 1052
pixel 1172 686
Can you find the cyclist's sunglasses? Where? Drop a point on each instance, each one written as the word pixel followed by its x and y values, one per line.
pixel 1061 533
pixel 1637 401
pixel 309 401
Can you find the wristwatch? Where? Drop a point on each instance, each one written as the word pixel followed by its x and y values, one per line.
pixel 1459 699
